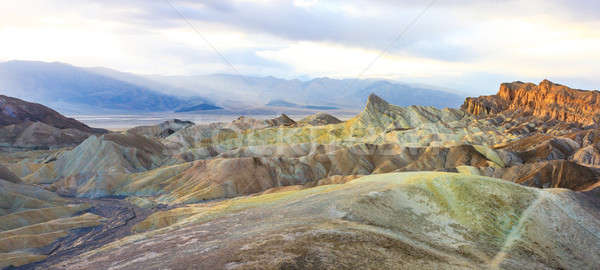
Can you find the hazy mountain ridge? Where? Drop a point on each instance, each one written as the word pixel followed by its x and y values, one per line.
pixel 283 103
pixel 99 90
pixel 71 88
pixel 344 93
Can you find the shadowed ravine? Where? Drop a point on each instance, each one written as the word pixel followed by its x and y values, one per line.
pixel 121 217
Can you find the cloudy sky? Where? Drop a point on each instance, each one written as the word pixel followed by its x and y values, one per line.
pixel 468 45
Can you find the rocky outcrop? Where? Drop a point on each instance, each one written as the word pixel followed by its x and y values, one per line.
pixel 16 111
pixel 37 135
pixel 246 123
pixel 546 174
pixel 320 119
pixel 161 130
pixel 99 157
pixel 546 100
pixel 282 120
pixel 588 156
pixel 381 114
pixel 6 174
pixel 252 170
pixel 379 123
pixel 407 220
pixel 25 125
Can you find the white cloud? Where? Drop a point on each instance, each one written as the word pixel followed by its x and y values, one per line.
pixel 327 59
pixel 305 3
pixel 456 39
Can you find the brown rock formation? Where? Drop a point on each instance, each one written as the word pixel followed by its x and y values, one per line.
pixel 161 130
pixel 548 174
pixel 37 135
pixel 320 119
pixel 245 123
pixel 16 111
pixel 282 120
pixel 6 174
pixel 546 100
pixel 30 126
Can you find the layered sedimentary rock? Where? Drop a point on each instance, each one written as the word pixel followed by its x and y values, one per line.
pixel 30 125
pixel 380 113
pixel 16 111
pixel 161 130
pixel 380 122
pixel 549 174
pixel 254 169
pixel 251 170
pixel 282 120
pixel 37 135
pixel 565 161
pixel 246 123
pixel 7 175
pixel 388 221
pixel 320 119
pixel 546 100
pixel 102 156
pixel 221 160
pixel 32 219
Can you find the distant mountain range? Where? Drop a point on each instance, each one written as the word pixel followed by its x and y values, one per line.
pixel 199 107
pixel 283 103
pixel 344 93
pixel 76 90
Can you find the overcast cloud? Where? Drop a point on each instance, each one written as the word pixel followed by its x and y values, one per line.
pixel 463 44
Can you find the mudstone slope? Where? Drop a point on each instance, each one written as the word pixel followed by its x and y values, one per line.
pixel 30 125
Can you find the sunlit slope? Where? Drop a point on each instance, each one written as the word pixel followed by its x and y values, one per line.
pixel 254 169
pixel 378 123
pixel 407 220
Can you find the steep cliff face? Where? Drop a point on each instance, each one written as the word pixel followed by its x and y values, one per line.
pixel 546 100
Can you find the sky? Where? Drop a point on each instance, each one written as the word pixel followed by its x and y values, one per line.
pixel 467 45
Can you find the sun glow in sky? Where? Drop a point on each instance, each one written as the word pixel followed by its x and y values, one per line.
pixel 466 45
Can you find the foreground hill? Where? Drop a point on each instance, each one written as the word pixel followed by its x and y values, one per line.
pixel 388 221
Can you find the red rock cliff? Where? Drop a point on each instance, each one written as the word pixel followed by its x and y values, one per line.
pixel 547 99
